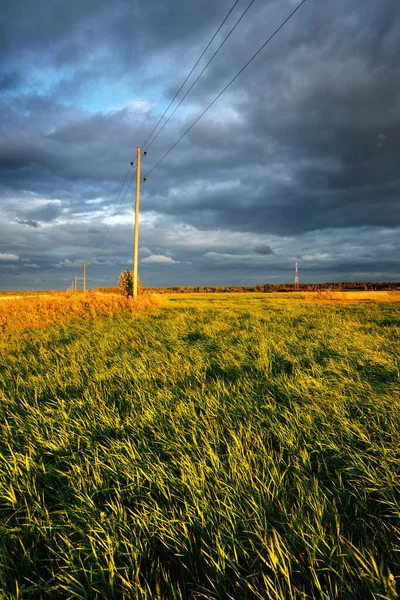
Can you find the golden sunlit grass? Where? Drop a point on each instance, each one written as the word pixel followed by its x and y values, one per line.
pixel 346 297
pixel 233 446
pixel 38 311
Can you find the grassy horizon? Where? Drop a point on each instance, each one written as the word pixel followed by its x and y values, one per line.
pixel 222 446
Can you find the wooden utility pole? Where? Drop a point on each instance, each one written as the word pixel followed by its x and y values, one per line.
pixel 136 228
pixel 75 283
pixel 296 277
pixel 84 276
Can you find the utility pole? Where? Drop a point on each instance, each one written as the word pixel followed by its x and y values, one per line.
pixel 136 226
pixel 136 229
pixel 75 283
pixel 296 277
pixel 84 276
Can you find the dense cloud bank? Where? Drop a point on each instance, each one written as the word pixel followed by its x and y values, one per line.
pixel 298 160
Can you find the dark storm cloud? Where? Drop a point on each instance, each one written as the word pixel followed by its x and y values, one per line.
pixel 46 213
pixel 121 34
pixel 306 140
pixel 28 222
pixel 264 250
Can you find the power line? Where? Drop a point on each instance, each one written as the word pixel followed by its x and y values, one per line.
pixel 120 192
pixel 196 80
pixel 116 205
pixel 106 230
pixel 193 68
pixel 227 86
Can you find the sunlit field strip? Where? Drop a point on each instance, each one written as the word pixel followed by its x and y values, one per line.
pixel 39 311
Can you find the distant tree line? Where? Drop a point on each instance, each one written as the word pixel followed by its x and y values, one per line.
pixel 341 286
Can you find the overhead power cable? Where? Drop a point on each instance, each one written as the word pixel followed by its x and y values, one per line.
pixel 105 229
pixel 227 86
pixel 116 206
pixel 193 68
pixel 117 203
pixel 201 73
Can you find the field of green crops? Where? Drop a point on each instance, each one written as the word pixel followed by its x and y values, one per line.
pixel 217 447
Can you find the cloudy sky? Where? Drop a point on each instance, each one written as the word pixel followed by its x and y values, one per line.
pixel 298 160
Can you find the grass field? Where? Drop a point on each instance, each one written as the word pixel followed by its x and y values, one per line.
pixel 40 310
pixel 218 447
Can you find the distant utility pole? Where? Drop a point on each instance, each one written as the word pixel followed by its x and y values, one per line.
pixel 136 227
pixel 296 277
pixel 84 276
pixel 75 283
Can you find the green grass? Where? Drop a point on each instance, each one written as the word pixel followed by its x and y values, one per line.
pixel 224 446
